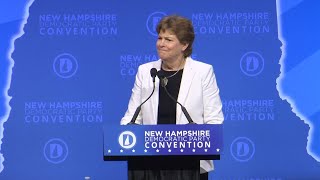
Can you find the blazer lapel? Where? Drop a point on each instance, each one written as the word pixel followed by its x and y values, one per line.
pixel 185 85
pixel 155 97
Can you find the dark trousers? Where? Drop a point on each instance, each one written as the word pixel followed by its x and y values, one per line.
pixel 165 175
pixel 165 169
pixel 204 176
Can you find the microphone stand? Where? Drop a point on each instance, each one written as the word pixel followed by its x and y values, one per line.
pixel 136 113
pixel 153 73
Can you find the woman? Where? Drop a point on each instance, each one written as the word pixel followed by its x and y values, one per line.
pixel 191 82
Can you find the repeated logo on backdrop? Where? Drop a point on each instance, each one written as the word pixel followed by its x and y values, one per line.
pixel 65 65
pixel 66 112
pixel 55 151
pixel 153 21
pixel 78 24
pixel 252 63
pixel 249 110
pixel 231 22
pixel 129 63
pixel 242 149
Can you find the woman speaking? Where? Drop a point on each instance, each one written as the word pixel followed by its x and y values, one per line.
pixel 183 79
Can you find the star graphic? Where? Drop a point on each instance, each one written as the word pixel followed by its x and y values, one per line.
pixel 193 150
pixel 205 150
pixel 121 150
pixel 109 150
pixel 133 150
pixel 169 150
pixel 157 150
pixel 181 150
pixel 145 150
pixel 218 150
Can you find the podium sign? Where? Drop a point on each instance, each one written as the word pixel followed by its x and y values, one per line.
pixel 162 140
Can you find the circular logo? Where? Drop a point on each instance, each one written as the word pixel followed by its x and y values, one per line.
pixel 55 151
pixel 251 63
pixel 153 21
pixel 65 65
pixel 127 139
pixel 242 149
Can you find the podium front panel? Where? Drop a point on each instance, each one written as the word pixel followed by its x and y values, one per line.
pixel 162 140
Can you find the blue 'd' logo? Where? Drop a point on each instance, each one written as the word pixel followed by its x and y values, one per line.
pixel 65 65
pixel 127 139
pixel 55 151
pixel 242 149
pixel 252 63
pixel 153 21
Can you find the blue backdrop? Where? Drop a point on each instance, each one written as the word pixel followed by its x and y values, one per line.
pixel 73 65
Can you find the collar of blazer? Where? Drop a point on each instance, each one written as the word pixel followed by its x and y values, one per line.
pixel 186 82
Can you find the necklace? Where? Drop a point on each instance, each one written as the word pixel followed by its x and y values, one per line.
pixel 166 79
pixel 173 74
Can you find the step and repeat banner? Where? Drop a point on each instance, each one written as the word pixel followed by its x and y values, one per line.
pixel 74 68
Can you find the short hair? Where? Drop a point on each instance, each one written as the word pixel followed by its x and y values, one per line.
pixel 181 27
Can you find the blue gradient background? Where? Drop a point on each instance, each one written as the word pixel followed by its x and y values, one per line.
pixel 284 143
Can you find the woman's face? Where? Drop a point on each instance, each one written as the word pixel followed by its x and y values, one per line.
pixel 169 47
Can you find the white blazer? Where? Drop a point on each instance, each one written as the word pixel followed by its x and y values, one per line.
pixel 198 93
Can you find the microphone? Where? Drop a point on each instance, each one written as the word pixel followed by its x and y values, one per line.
pixel 153 73
pixel 164 82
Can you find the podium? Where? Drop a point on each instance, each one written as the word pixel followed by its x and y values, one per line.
pixel 146 146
